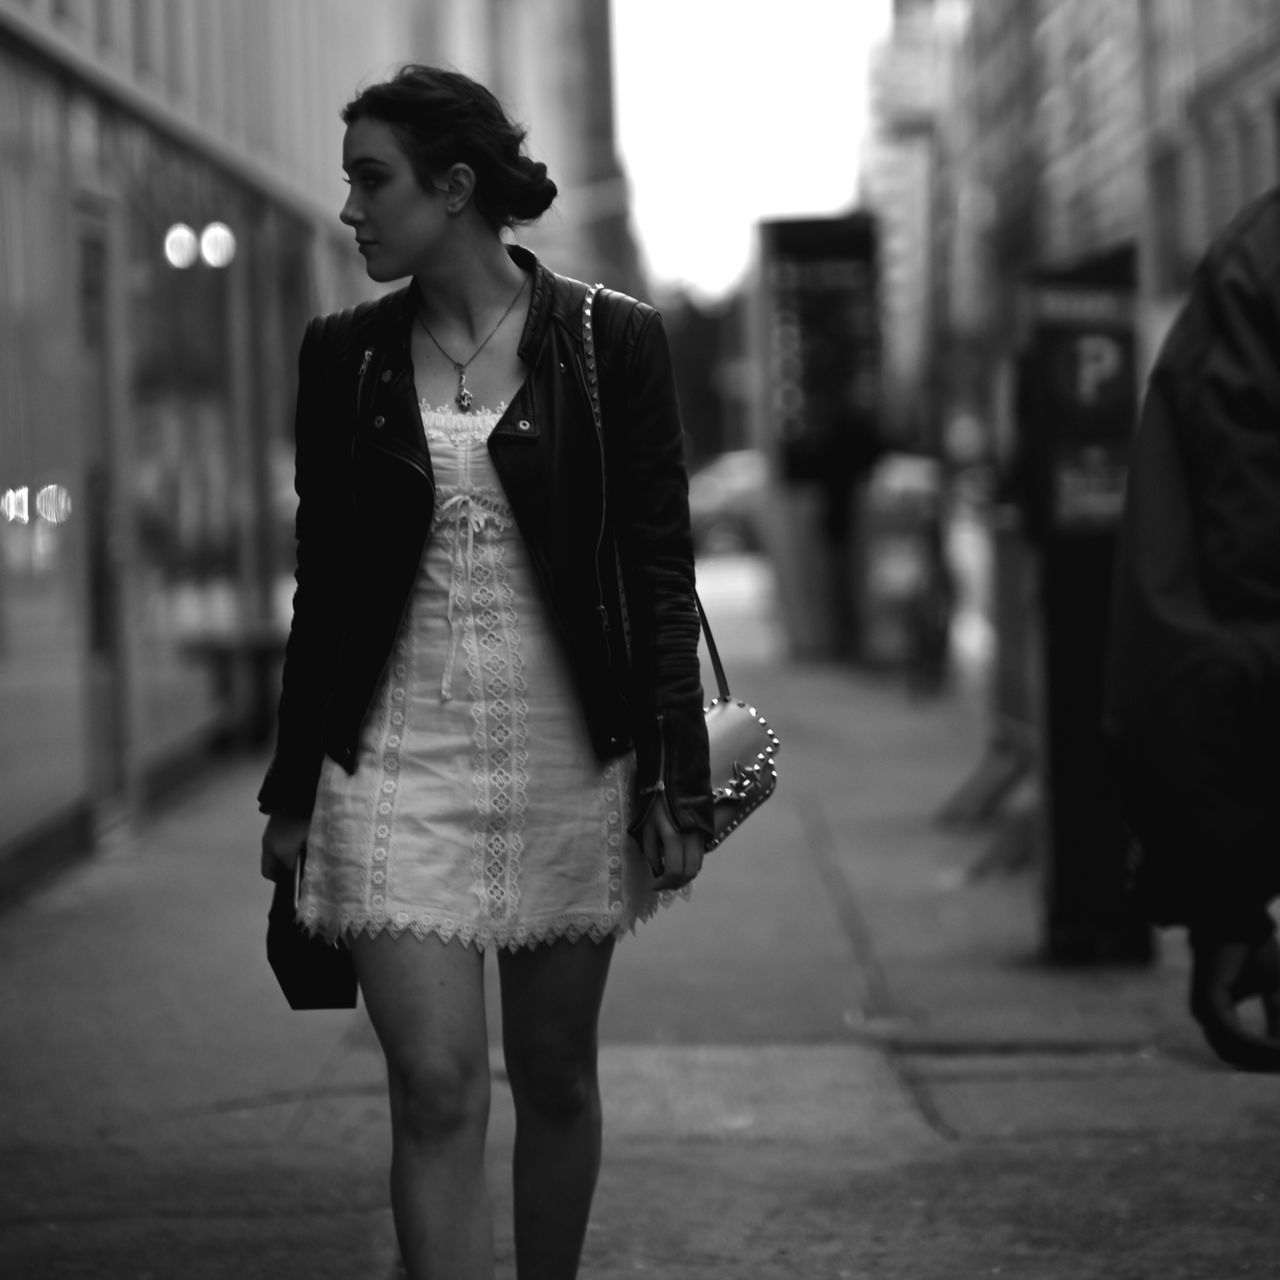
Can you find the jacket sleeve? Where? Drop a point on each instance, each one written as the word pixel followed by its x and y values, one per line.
pixel 1231 440
pixel 656 550
pixel 290 783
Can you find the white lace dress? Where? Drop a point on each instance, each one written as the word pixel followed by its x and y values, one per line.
pixel 478 809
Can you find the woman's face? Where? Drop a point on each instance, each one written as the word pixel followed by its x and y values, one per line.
pixel 398 225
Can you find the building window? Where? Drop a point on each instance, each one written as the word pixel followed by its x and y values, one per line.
pixel 1168 256
pixel 104 22
pixel 143 20
pixel 1223 172
pixel 70 13
pixel 1254 172
pixel 1273 165
pixel 45 373
pixel 173 17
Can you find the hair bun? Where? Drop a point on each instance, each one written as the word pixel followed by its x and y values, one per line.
pixel 537 191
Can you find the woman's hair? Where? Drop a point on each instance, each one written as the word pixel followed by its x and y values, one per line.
pixel 442 118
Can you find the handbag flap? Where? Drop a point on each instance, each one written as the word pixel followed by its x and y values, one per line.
pixel 743 774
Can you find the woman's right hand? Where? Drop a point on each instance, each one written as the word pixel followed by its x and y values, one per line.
pixel 282 844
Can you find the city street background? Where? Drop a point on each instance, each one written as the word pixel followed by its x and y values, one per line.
pixel 913 259
pixel 842 1058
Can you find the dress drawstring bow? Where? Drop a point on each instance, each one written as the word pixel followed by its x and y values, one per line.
pixel 471 517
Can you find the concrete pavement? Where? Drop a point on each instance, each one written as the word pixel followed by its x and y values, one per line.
pixel 840 1059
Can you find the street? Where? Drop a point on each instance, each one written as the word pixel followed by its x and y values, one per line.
pixel 840 1059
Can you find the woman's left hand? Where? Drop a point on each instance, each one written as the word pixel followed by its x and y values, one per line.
pixel 674 857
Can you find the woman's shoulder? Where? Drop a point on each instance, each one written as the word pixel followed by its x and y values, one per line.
pixel 618 320
pixel 341 332
pixel 629 332
pixel 613 304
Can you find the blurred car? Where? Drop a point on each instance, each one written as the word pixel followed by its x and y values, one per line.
pixel 905 488
pixel 726 499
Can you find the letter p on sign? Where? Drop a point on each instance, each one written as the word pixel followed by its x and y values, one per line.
pixel 1099 360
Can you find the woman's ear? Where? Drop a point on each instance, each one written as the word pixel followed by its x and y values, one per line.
pixel 460 185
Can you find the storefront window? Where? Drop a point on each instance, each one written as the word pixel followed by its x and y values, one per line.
pixel 43 699
pixel 150 314
pixel 187 471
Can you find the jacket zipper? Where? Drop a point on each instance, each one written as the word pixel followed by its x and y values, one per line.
pixel 660 790
pixel 401 455
pixel 597 417
pixel 364 368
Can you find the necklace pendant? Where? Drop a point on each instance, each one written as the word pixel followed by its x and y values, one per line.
pixel 464 399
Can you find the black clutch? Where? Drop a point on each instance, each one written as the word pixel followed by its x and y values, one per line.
pixel 312 973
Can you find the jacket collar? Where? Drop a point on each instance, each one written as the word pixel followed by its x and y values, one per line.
pixel 394 314
pixel 539 317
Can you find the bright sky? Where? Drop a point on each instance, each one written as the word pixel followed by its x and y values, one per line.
pixel 729 111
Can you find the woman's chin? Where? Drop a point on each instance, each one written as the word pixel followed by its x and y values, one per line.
pixel 379 268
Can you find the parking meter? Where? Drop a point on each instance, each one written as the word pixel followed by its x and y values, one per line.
pixel 1078 407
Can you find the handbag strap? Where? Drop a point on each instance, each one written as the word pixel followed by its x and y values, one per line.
pixel 593 390
pixel 722 684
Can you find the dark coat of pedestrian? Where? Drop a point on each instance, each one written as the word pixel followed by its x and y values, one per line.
pixel 1193 702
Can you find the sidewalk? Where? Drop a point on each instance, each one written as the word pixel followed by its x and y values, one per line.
pixel 840 1059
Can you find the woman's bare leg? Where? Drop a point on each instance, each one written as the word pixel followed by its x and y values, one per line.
pixel 550 1009
pixel 426 1002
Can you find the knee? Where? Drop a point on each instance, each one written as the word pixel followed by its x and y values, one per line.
pixel 439 1097
pixel 556 1084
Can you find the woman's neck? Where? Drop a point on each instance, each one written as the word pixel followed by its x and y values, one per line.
pixel 463 293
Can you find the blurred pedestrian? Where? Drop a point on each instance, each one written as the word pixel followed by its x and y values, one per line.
pixel 471 722
pixel 1194 681
pixel 930 608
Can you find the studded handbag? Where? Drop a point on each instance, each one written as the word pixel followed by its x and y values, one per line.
pixel 742 743
pixel 743 747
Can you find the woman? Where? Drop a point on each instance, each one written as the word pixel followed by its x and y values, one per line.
pixel 492 672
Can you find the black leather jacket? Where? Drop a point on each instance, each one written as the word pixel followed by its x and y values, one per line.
pixel 366 494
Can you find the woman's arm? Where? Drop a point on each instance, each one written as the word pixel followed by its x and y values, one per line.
pixel 650 493
pixel 290 784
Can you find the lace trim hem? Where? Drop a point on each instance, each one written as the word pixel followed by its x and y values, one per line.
pixel 573 927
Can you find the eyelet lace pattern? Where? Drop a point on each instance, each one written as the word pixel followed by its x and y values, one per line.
pixel 464 678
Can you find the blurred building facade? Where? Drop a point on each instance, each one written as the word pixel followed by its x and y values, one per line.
pixel 551 62
pixel 1095 145
pixel 169 187
pixel 1053 132
pixel 900 175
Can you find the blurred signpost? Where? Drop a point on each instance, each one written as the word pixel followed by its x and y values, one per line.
pixel 816 342
pixel 1078 407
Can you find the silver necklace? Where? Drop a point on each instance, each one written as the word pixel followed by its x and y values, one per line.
pixel 463 397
